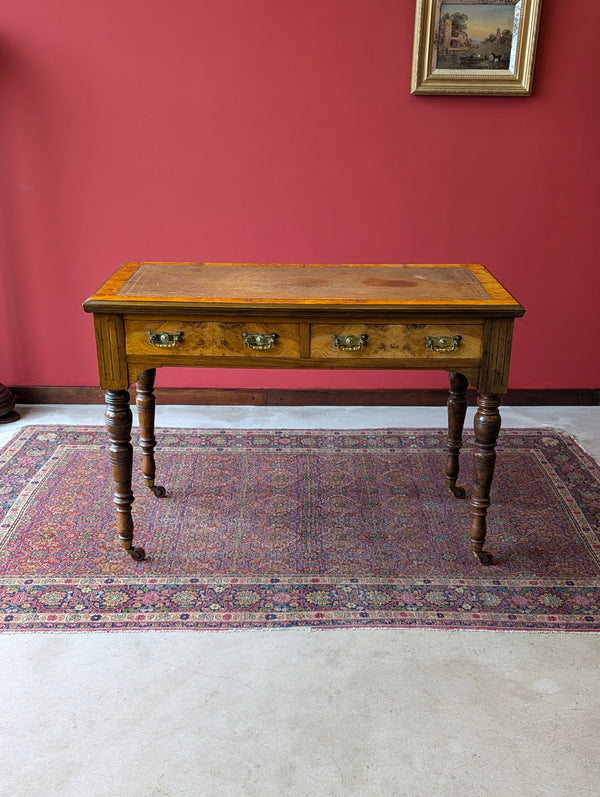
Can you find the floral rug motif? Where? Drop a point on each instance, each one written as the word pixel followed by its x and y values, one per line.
pixel 320 528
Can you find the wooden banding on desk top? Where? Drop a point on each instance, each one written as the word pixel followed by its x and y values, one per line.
pixel 136 287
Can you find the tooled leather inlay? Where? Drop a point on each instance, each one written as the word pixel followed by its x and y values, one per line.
pixel 304 284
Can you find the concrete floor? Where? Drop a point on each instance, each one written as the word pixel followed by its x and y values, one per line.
pixel 297 712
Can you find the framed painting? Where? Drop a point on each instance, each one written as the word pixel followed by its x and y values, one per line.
pixel 475 46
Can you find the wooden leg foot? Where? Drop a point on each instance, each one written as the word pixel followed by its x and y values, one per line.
pixel 136 553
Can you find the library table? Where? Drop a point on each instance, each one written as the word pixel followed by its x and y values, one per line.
pixel 451 317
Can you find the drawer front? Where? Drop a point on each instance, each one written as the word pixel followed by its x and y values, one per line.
pixel 396 341
pixel 172 338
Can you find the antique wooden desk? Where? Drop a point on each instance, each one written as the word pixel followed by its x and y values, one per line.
pixel 456 318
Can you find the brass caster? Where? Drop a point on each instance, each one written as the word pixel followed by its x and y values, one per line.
pixel 484 557
pixel 457 492
pixel 158 491
pixel 136 553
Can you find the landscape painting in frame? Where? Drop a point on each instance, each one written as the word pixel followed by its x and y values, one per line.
pixel 474 46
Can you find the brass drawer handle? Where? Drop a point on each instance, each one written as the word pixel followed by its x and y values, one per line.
pixel 350 342
pixel 165 340
pixel 442 343
pixel 259 341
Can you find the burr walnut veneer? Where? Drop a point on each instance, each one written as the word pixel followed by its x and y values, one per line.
pixel 456 318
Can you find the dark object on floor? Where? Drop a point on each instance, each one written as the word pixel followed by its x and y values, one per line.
pixel 7 405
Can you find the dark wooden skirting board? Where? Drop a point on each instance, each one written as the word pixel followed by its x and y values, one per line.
pixel 295 398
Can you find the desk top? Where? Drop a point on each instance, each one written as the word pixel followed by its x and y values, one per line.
pixel 142 287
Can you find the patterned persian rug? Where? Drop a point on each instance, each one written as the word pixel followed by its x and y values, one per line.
pixel 263 529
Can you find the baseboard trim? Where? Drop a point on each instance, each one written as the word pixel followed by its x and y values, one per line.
pixel 318 397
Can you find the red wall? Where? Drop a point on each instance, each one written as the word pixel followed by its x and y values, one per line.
pixel 284 131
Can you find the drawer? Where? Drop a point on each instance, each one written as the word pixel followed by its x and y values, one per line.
pixel 396 341
pixel 172 338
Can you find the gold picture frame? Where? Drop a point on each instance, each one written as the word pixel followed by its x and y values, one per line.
pixel 475 46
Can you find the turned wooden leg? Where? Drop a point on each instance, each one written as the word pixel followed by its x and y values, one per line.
pixel 146 403
pixel 487 426
pixel 457 409
pixel 118 423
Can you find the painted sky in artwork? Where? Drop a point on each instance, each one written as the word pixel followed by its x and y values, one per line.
pixel 483 19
